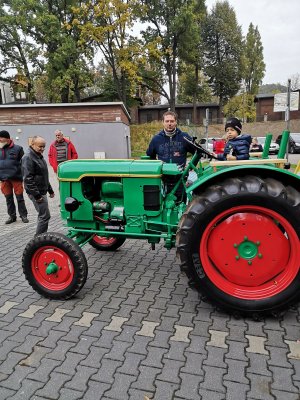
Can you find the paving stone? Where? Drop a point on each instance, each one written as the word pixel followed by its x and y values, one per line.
pixel 26 391
pixel 81 378
pixel 201 328
pixel 282 379
pixel 31 311
pixel 275 338
pixel 60 351
pixel 197 345
pixel 13 359
pixel 189 386
pixel 120 387
pixel 148 329
pixel 107 371
pixel 69 394
pixel 146 378
pixel 235 390
pixel 42 373
pixel 258 364
pixel 237 351
pixel 215 357
pixel 278 357
pixel 176 351
pixel 22 333
pixel 52 339
pixel 237 333
pixel 70 363
pixel 35 357
pixel 170 371
pixel 94 330
pixel 140 345
pixel 58 315
pixel 53 386
pixel 213 379
pixel 193 364
pixel 106 339
pixel 217 339
pixel 131 364
pixel 16 377
pixel 7 306
pixel 256 344
pixel 83 345
pixel 135 394
pixel 285 395
pixel 294 348
pixel 96 390
pixel 211 395
pixel 260 387
pixel 154 357
pixel 236 371
pixel 117 351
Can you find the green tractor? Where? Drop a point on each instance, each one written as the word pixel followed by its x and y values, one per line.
pixel 236 226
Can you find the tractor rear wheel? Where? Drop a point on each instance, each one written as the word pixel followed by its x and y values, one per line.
pixel 55 266
pixel 239 245
pixel 103 243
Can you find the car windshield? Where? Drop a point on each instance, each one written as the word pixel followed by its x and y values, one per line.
pixel 295 137
pixel 261 140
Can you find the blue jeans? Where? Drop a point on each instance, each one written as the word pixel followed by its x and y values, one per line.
pixel 43 214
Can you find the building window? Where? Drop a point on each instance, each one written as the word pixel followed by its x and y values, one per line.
pixel 149 118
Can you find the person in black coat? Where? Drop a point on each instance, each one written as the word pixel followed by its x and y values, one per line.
pixel 237 146
pixel 36 181
pixel 11 177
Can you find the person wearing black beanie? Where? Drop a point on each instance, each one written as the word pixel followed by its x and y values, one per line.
pixel 11 177
pixel 237 146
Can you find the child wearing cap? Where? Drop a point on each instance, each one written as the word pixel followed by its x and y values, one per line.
pixel 237 146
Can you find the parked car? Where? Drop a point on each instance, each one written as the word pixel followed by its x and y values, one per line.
pixel 294 142
pixel 274 147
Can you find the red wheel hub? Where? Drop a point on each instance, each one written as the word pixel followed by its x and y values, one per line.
pixel 250 252
pixel 55 278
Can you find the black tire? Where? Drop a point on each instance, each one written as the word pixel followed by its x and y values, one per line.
pixel 106 244
pixel 68 259
pixel 237 198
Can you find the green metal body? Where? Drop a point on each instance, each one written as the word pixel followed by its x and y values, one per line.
pixel 117 198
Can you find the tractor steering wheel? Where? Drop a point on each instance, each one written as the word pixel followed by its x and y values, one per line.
pixel 201 149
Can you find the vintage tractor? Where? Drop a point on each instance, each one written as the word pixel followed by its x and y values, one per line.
pixel 236 227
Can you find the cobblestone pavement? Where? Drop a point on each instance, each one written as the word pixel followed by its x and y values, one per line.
pixel 135 331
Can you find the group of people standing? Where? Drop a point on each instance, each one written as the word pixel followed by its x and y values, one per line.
pixel 30 168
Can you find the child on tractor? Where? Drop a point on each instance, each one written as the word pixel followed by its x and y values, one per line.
pixel 237 146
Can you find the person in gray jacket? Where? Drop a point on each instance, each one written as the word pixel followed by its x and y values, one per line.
pixel 36 181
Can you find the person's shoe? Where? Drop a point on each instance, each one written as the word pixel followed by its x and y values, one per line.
pixel 25 220
pixel 11 220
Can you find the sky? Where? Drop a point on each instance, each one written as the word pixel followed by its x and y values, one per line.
pixel 279 28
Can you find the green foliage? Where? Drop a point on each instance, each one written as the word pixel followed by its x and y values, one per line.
pixel 242 107
pixel 223 51
pixel 190 89
pixel 253 61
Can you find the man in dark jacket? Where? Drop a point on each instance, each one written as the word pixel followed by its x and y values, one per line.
pixel 237 145
pixel 11 177
pixel 36 181
pixel 169 144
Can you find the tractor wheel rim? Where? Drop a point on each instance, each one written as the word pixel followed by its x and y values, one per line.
pixel 57 278
pixel 104 241
pixel 250 252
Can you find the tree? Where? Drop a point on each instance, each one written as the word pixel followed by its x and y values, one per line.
pixel 241 106
pixel 253 61
pixel 223 51
pixel 108 27
pixel 18 54
pixel 295 82
pixel 171 26
pixel 44 41
pixel 192 88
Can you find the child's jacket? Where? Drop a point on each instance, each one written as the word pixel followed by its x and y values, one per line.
pixel 238 147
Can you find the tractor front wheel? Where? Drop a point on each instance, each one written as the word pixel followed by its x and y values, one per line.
pixel 239 245
pixel 55 266
pixel 103 243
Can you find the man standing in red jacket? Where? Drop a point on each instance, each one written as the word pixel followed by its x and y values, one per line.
pixel 62 149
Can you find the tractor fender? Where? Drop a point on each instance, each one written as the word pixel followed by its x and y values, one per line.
pixel 210 177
